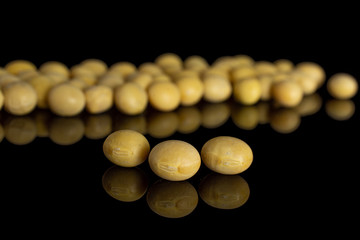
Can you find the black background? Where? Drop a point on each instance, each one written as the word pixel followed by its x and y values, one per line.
pixel 299 182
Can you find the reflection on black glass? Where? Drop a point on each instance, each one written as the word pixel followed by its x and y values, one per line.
pixel 285 120
pixel 175 199
pixel 172 199
pixel 125 184
pixel 340 110
pixel 189 119
pixel 19 130
pixel 214 115
pixel 224 191
pixel 97 126
pixel 245 117
pixel 310 105
pixel 121 121
pixel 66 131
pixel 162 124
pixel 2 134
pixel 22 130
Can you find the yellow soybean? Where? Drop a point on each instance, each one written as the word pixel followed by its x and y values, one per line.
pixel 6 79
pixel 167 60
pixel 142 79
pixel 196 63
pixel 164 96
pixel 1 99
pixel 312 70
pixel 66 100
pixel 110 79
pixel 287 93
pixel 130 98
pixel 247 91
pixel 54 67
pixel 191 90
pixel 342 86
pixel 216 89
pixel 17 66
pixel 124 69
pixel 19 98
pixel 126 148
pixel 284 65
pixel 227 155
pixel 98 99
pixel 97 66
pixel 174 160
pixel 42 85
pixel 150 68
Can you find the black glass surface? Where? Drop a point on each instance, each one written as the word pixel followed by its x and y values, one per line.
pixel 303 177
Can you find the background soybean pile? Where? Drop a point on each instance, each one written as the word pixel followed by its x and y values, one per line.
pixel 282 108
pixel 165 84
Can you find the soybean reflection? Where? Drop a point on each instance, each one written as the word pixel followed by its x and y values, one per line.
pixel 310 105
pixel 162 124
pixel 42 120
pixel 285 120
pixel 125 184
pixel 245 117
pixel 172 199
pixel 282 120
pixel 189 119
pixel 21 130
pixel 224 191
pixel 97 126
pixel 340 110
pixel 2 134
pixel 214 115
pixel 175 199
pixel 66 131
pixel 121 121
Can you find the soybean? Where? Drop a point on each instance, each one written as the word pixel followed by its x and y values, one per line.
pixel 342 86
pixel 130 98
pixel 98 99
pixel 174 160
pixel 216 89
pixel 19 98
pixel 227 155
pixel 247 91
pixel 287 93
pixel 126 148
pixel 66 100
pixel 191 90
pixel 164 96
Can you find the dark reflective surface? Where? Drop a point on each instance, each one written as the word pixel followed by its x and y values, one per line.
pixel 304 170
pixel 22 130
pixel 301 156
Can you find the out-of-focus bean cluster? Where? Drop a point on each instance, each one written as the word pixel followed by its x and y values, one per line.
pixel 165 84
